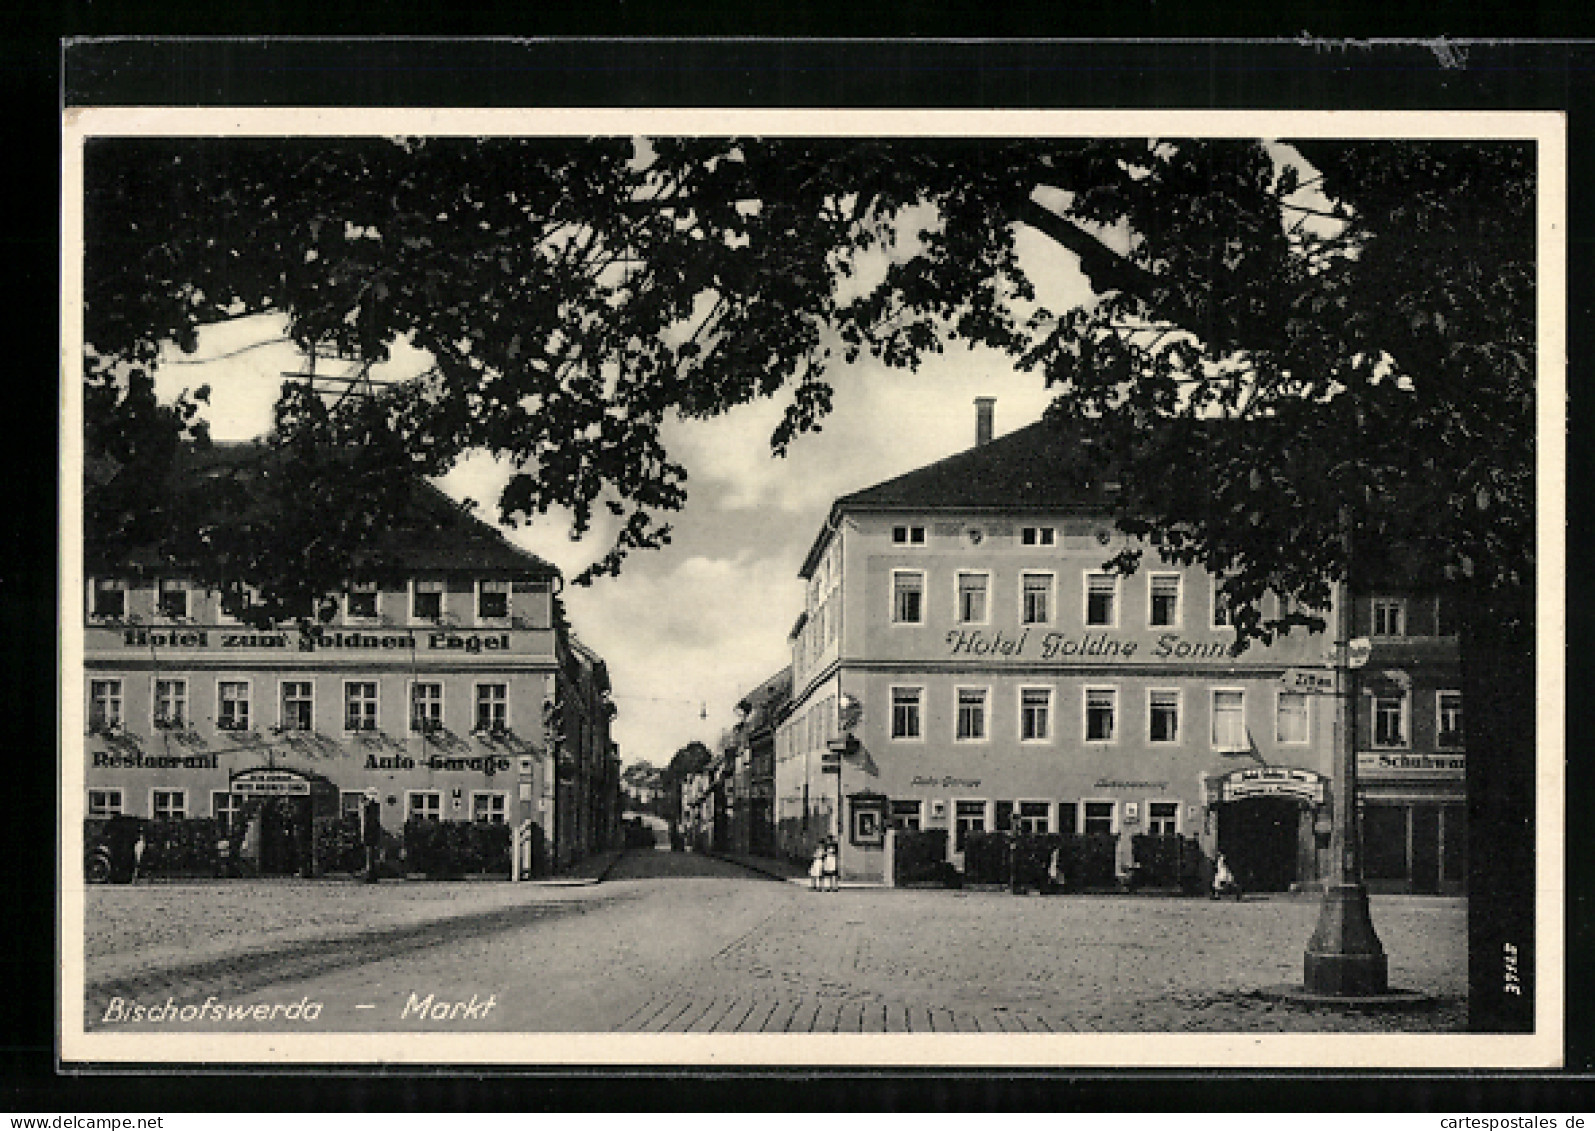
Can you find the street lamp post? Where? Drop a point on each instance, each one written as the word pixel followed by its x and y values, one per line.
pixel 1344 957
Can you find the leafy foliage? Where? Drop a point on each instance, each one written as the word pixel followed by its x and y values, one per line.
pixel 1292 350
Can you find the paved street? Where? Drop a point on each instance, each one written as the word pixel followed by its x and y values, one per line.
pixel 673 942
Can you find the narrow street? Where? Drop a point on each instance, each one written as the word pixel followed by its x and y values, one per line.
pixel 677 942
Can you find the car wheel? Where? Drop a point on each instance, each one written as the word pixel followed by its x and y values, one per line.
pixel 98 870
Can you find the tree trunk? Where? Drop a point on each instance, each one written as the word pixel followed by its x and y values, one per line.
pixel 1499 701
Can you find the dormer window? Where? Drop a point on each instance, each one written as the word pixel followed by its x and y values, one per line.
pixel 1037 536
pixel 493 600
pixel 427 601
pixel 172 599
pixel 360 602
pixel 908 535
pixel 110 598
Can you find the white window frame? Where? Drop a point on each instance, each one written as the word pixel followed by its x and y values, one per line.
pixel 178 791
pixel 409 698
pixel 985 817
pixel 1179 599
pixel 109 584
pixel 222 814
pixel 985 715
pixel 442 590
pixel 1405 699
pixel 1049 730
pixel 282 705
pixel 504 806
pixel 1179 716
pixel 248 700
pixel 1179 815
pixel 481 586
pixel 115 805
pixel 958 596
pixel 1044 536
pixel 919 713
pixel 1085 715
pixel 1212 729
pixel 116 694
pixel 919 573
pixel 919 811
pixel 1307 707
pixel 1051 595
pixel 476 705
pixel 908 540
pixel 371 587
pixel 1439 714
pixel 1049 817
pixel 1396 605
pixel 1114 815
pixel 376 706
pixel 181 586
pixel 1085 598
pixel 187 713
pixel 1217 604
pixel 409 803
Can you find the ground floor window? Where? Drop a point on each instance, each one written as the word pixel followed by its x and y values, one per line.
pixel 1098 817
pixel 105 803
pixel 168 804
pixel 1033 816
pixel 490 808
pixel 906 814
pixel 970 817
pixel 1163 818
pixel 427 804
pixel 351 802
pixel 226 808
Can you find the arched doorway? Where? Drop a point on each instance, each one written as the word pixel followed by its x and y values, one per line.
pixel 1258 837
pixel 1266 824
pixel 277 819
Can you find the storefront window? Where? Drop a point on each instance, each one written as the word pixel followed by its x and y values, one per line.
pixel 168 804
pixel 970 817
pixel 1033 816
pixel 105 803
pixel 1163 818
pixel 426 804
pixel 906 814
pixel 489 808
pixel 226 808
pixel 1098 817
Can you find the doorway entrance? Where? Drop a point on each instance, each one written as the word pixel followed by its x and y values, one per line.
pixel 1258 837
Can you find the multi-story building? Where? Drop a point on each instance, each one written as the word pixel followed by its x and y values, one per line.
pixel 761 710
pixel 965 661
pixel 429 686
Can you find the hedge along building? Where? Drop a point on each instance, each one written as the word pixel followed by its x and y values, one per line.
pixel 438 685
pixel 964 662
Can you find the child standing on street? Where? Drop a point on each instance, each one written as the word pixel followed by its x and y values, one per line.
pixel 817 866
pixel 830 868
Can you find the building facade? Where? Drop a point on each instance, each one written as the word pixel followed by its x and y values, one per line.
pixel 964 661
pixel 429 688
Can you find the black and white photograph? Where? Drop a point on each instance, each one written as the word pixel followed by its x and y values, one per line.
pixel 1047 588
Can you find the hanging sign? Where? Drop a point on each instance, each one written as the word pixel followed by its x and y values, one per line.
pixel 1357 651
pixel 270 783
pixel 1314 681
pixel 1273 781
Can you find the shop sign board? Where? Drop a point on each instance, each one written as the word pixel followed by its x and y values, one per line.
pixel 1402 763
pixel 1314 681
pixel 1273 781
pixel 271 783
pixel 1357 651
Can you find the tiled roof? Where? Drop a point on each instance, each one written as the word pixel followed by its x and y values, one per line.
pixel 1034 468
pixel 437 536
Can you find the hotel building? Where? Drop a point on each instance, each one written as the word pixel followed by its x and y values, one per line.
pixel 444 687
pixel 965 662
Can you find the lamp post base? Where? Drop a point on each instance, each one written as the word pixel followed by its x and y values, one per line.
pixel 1344 957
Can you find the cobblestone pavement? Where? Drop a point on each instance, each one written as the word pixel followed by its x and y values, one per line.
pixel 675 942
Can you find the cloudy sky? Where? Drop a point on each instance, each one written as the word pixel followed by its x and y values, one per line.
pixel 690 629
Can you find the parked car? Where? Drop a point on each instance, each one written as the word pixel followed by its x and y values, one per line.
pixel 114 856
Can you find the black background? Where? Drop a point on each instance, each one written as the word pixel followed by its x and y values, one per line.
pixel 39 75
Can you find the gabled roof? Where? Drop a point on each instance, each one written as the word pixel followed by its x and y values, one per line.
pixel 1034 468
pixel 436 536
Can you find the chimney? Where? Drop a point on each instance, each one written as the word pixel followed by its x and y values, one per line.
pixel 983 410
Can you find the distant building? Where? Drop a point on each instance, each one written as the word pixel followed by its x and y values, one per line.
pixel 443 685
pixel 963 661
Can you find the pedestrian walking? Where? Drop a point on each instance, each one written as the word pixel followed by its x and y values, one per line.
pixel 1224 881
pixel 831 868
pixel 817 866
